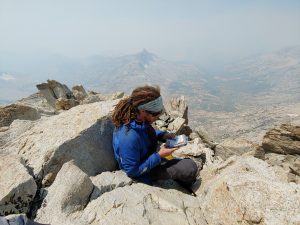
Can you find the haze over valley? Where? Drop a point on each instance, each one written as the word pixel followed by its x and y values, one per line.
pixel 243 100
pixel 229 75
pixel 236 62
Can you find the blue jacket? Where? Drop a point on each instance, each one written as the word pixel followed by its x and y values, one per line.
pixel 133 149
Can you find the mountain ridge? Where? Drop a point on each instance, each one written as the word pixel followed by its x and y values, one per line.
pixel 269 81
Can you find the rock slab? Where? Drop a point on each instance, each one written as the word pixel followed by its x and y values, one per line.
pixel 17 187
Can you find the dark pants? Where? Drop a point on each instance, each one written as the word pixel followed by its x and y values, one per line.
pixel 183 171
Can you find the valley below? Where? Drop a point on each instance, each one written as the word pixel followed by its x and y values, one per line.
pixel 243 101
pixel 249 123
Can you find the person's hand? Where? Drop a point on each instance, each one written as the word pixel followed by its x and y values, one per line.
pixel 169 136
pixel 163 151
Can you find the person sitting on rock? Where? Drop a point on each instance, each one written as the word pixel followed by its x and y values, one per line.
pixel 135 141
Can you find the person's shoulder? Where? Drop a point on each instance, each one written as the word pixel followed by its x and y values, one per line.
pixel 132 133
pixel 128 134
pixel 130 138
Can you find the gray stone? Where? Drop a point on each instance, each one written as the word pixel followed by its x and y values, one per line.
pixel 58 95
pixel 83 133
pixel 287 167
pixel 176 125
pixel 186 130
pixel 79 92
pixel 259 153
pixel 16 129
pixel 143 204
pixel 65 104
pixel 131 204
pixel 283 139
pixel 205 137
pixel 17 111
pixel 164 117
pixel 68 194
pixel 40 103
pixel 47 93
pixel 177 107
pixel 97 97
pixel 107 181
pixel 194 149
pixel 160 123
pixel 59 90
pixel 246 190
pixel 230 147
pixel 193 136
pixel 17 187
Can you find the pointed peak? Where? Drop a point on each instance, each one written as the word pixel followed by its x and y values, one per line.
pixel 145 57
pixel 144 51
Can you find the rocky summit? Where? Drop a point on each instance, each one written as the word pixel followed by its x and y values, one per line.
pixel 57 167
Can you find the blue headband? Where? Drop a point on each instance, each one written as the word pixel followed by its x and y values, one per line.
pixel 154 106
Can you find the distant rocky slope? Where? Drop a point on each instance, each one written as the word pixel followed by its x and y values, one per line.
pixel 251 96
pixel 243 101
pixel 247 123
pixel 108 74
pixel 58 168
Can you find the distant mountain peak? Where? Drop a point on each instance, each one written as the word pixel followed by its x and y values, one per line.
pixel 145 57
pixel 145 52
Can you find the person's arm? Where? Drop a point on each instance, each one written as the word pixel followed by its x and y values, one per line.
pixel 130 156
pixel 163 136
pixel 160 135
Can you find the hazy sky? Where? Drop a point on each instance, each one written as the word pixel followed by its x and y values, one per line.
pixel 201 31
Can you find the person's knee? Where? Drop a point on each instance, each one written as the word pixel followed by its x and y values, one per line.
pixel 188 170
pixel 194 169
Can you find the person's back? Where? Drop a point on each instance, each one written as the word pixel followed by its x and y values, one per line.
pixel 135 152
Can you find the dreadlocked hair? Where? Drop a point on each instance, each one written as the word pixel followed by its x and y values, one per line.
pixel 126 109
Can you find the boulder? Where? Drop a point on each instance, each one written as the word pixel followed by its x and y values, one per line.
pixel 177 125
pixel 160 123
pixel 47 93
pixel 246 190
pixel 16 129
pixel 65 104
pixel 79 92
pixel 287 167
pixel 56 89
pixel 177 107
pixel 165 117
pixel 58 95
pixel 38 102
pixel 175 117
pixel 143 204
pixel 67 202
pixel 83 133
pixel 115 96
pixel 17 111
pixel 17 187
pixel 283 139
pixel 3 129
pixel 68 194
pixel 186 130
pixel 107 181
pixel 230 147
pixel 97 97
pixel 205 137
pixel 259 153
pixel 195 149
